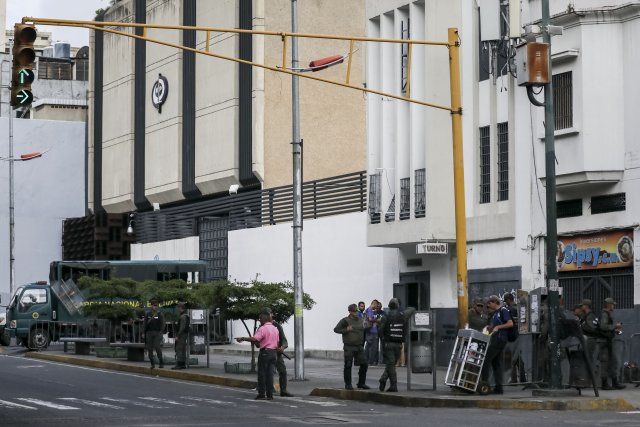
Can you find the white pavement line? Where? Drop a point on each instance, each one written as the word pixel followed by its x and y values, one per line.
pixel 7 404
pixel 169 401
pixel 91 403
pixel 316 402
pixel 47 404
pixel 212 401
pixel 133 402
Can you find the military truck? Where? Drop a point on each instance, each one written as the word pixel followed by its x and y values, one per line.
pixel 42 312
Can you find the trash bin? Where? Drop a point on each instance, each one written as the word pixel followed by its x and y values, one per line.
pixel 421 357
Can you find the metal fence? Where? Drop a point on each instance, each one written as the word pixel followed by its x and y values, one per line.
pixel 43 333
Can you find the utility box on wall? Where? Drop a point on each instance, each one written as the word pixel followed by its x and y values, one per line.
pixel 532 64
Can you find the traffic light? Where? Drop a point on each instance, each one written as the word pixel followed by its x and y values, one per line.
pixel 22 74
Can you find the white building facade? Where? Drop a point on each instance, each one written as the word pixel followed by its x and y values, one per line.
pixel 411 168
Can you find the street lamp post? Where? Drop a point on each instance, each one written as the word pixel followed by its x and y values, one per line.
pixel 296 145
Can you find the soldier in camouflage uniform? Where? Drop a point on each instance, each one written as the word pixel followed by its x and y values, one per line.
pixel 352 330
pixel 182 338
pixel 608 330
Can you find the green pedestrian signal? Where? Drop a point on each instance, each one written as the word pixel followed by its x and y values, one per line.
pixel 24 55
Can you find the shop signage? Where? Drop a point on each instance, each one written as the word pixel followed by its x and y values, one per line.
pixel 159 92
pixel 432 248
pixel 596 251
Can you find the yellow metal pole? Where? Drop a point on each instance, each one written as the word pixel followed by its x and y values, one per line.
pixel 458 178
pixel 207 45
pixel 349 62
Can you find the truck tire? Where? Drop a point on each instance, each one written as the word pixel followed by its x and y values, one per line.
pixel 38 339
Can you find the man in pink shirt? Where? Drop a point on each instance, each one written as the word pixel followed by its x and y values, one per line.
pixel 266 337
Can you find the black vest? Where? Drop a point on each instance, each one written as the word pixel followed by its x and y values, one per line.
pixel 394 327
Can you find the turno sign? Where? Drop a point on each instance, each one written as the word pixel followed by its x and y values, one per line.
pixel 432 248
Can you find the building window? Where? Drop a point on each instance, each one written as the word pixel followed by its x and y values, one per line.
pixel 374 198
pixel 54 69
pixel 404 55
pixel 485 166
pixel 82 69
pixel 391 211
pixel 503 161
pixel 563 100
pixel 608 203
pixel 569 208
pixel 420 195
pixel 405 198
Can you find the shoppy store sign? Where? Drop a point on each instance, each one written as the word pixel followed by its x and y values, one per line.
pixel 596 251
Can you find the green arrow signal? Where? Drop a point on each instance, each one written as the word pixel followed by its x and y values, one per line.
pixel 25 76
pixel 24 97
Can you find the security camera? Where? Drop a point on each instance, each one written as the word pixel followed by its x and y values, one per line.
pixel 129 230
pixel 156 206
pixel 233 189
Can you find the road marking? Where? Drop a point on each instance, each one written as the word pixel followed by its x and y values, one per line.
pixel 7 404
pixel 47 404
pixel 133 402
pixel 91 403
pixel 212 401
pixel 316 402
pixel 169 401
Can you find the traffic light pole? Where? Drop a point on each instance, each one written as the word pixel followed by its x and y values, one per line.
pixel 552 230
pixel 12 237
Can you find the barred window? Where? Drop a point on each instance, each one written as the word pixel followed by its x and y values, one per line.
pixel 503 161
pixel 609 203
pixel 563 100
pixel 54 69
pixel 405 198
pixel 374 198
pixel 390 216
pixel 569 208
pixel 404 55
pixel 82 69
pixel 420 195
pixel 485 166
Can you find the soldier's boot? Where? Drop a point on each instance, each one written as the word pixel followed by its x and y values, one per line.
pixel 383 381
pixel 282 380
pixel 347 377
pixel 362 377
pixel 393 386
pixel 605 384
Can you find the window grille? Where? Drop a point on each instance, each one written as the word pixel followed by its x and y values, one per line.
pixel 391 212
pixel 420 195
pixel 404 52
pixel 569 208
pixel 374 198
pixel 54 69
pixel 608 203
pixel 82 69
pixel 503 161
pixel 563 100
pixel 405 198
pixel 485 166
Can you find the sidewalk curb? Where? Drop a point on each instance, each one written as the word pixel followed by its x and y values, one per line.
pixel 596 404
pixel 165 373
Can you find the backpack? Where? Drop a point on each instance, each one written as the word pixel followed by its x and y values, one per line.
pixel 512 332
pixel 394 327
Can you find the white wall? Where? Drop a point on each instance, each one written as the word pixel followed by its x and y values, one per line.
pixel 47 190
pixel 338 269
pixel 178 249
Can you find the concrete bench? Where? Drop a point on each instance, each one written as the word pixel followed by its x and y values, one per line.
pixel 82 344
pixel 135 350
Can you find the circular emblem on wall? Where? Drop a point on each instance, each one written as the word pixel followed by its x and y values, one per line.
pixel 159 92
pixel 35 315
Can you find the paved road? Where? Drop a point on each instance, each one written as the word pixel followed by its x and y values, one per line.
pixel 41 393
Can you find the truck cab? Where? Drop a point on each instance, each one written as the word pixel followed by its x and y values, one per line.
pixel 31 312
